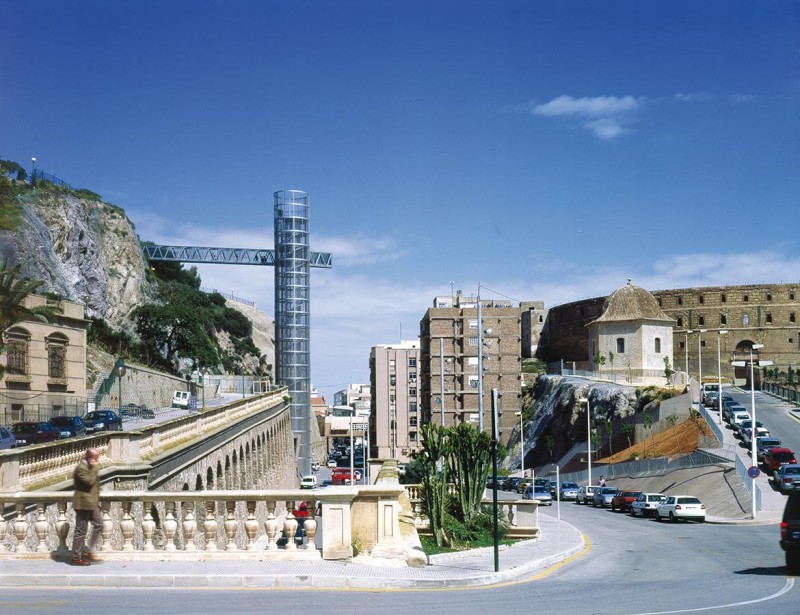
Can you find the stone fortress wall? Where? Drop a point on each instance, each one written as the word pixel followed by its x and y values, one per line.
pixel 751 314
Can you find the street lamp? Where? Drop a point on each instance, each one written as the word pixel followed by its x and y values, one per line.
pixel 719 375
pixel 120 371
pixel 585 400
pixel 33 172
pixel 521 443
pixel 700 360
pixel 203 371
pixel 686 350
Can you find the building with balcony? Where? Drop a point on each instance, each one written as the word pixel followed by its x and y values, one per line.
pixel 395 391
pixel 451 338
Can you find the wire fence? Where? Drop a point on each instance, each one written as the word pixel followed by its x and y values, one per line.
pixel 41 175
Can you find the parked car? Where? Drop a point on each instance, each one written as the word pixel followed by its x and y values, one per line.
pixel 7 439
pixel 33 432
pixel 738 430
pixel 510 483
pixel 790 533
pixel 729 408
pixel 710 399
pixel 308 482
pixel 623 500
pixel 102 420
pixel 553 487
pixel 764 444
pixel 787 478
pixel 737 417
pixel 523 485
pixel 585 494
pixel 645 505
pixel 686 507
pixel 181 399
pixel 137 411
pixel 539 493
pixel 331 464
pixel 777 456
pixel 747 435
pixel 69 426
pixel 568 490
pixel 602 496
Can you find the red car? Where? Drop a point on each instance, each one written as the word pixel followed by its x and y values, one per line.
pixel 776 457
pixel 623 500
pixel 34 432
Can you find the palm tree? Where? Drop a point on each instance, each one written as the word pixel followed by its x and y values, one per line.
pixel 13 292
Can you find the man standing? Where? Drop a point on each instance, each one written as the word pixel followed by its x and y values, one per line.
pixel 86 504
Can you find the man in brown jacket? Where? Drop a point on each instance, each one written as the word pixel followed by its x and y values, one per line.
pixel 86 504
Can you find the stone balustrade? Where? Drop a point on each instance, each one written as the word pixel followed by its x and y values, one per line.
pixel 200 525
pixel 38 466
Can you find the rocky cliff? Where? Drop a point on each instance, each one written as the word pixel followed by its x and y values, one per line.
pixel 80 248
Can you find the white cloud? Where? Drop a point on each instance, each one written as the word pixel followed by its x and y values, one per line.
pixel 606 117
pixel 742 98
pixel 597 107
pixel 692 97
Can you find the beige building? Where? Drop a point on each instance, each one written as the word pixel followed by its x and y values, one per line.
pixel 632 335
pixel 395 413
pixel 449 336
pixel 45 365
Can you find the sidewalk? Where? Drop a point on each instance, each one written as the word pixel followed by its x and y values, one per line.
pixel 559 541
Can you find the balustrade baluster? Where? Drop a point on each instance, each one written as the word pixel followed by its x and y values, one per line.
pixel 126 526
pixel 251 525
pixel 62 527
pixel 231 525
pixel 3 529
pixel 310 528
pixel 170 527
pixel 148 528
pixel 210 526
pixel 40 527
pixel 271 526
pixel 510 515
pixel 21 528
pixel 189 527
pixel 290 527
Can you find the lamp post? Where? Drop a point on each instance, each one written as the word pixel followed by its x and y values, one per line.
pixel 33 171
pixel 585 400
pixel 719 375
pixel 700 361
pixel 203 371
pixel 686 350
pixel 521 443
pixel 120 371
pixel 480 363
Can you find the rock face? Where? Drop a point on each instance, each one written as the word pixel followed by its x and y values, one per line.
pixel 559 413
pixel 84 250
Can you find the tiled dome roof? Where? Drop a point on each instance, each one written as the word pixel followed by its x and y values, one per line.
pixel 631 303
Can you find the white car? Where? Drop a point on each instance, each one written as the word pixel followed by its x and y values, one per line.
pixel 747 434
pixel 738 429
pixel 645 505
pixel 308 482
pixel 686 507
pixel 738 417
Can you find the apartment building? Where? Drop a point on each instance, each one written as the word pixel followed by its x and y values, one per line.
pixel 394 388
pixel 454 348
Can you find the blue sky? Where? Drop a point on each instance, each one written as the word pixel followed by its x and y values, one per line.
pixel 545 150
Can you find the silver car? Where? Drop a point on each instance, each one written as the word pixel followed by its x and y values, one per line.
pixel 539 493
pixel 568 491
pixel 603 496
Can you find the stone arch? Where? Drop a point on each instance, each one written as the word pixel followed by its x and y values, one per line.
pixel 198 483
pixel 210 478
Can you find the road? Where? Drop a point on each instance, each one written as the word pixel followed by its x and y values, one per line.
pixel 634 566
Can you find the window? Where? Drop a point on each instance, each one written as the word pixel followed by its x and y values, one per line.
pixel 723 319
pixel 473 382
pixel 769 317
pixel 412 392
pixel 658 344
pixel 392 398
pixel 412 421
pixel 723 298
pixel 391 363
pixel 746 298
pixel 17 350
pixel 56 361
pixel 791 316
pixel 659 302
pixel 769 296
pixel 412 406
pixel 620 345
pixel 702 343
pixel 681 345
pixel 412 361
pixel 791 295
pixel 701 299
pixel 392 380
pixel 701 320
pixel 680 300
pixel 473 323
pixel 745 319
pixel 473 341
pixel 412 436
pixel 680 321
pixel 472 361
pixel 412 376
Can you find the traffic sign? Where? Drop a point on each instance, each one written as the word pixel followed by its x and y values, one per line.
pixel 753 471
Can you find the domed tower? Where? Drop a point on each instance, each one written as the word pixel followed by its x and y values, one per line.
pixel 632 336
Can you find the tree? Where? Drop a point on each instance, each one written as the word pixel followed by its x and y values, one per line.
pixel 627 429
pixel 608 422
pixel 672 419
pixel 13 292
pixel 599 360
pixel 648 425
pixel 550 444
pixel 469 457
pixel 611 361
pixel 668 371
pixel 434 485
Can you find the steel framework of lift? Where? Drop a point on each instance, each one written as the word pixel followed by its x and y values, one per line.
pixel 292 260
